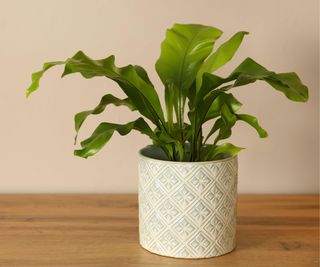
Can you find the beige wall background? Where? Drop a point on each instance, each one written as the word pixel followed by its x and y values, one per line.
pixel 37 134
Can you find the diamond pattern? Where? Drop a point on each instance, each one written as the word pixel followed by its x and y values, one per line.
pixel 200 212
pixel 184 228
pixel 200 243
pixel 168 179
pixel 168 211
pixel 168 241
pixel 200 180
pixel 155 225
pixel 187 210
pixel 184 196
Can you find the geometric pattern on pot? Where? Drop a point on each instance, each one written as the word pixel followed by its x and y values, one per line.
pixel 187 210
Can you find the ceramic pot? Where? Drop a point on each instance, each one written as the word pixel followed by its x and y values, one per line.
pixel 187 209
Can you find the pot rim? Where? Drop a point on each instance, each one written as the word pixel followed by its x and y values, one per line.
pixel 185 162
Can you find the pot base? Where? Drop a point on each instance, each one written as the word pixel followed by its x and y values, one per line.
pixel 185 258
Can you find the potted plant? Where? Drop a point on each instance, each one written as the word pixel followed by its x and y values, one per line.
pixel 187 178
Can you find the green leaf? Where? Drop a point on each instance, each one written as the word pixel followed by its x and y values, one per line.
pixel 229 119
pixel 250 71
pixel 182 53
pixel 225 127
pixel 199 110
pixel 219 123
pixel 206 152
pixel 36 76
pixel 288 83
pixel 223 124
pixel 105 101
pixel 173 141
pixel 247 72
pixel 143 74
pixel 219 58
pixel 226 148
pixel 222 99
pixel 253 121
pixel 228 116
pixel 140 92
pixel 224 132
pixel 133 80
pixel 185 65
pixel 210 83
pixel 104 132
pixel 213 152
pixel 207 94
pixel 180 149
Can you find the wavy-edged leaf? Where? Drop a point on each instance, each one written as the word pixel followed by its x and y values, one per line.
pixel 36 76
pixel 220 57
pixel 104 132
pixel 247 72
pixel 213 152
pixel 210 83
pixel 288 83
pixel 223 98
pixel 253 121
pixel 223 124
pixel 140 92
pixel 106 100
pixel 133 80
pixel 173 141
pixel 228 116
pixel 183 67
pixel 198 113
pixel 207 94
pixel 182 53
pixel 226 149
pixel 225 127
pixel 143 74
pixel 218 124
pixel 229 119
pixel 250 71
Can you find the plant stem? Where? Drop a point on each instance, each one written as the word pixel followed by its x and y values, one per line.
pixel 169 107
pixel 199 143
pixel 180 117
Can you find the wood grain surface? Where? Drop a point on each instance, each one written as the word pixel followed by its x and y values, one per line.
pixel 102 230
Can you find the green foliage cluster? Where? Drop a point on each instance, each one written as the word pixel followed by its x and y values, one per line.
pixel 186 68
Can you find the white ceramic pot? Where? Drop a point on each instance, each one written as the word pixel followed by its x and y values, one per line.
pixel 187 209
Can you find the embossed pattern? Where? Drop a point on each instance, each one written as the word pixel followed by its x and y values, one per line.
pixel 187 210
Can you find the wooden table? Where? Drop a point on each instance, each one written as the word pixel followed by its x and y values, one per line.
pixel 102 230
